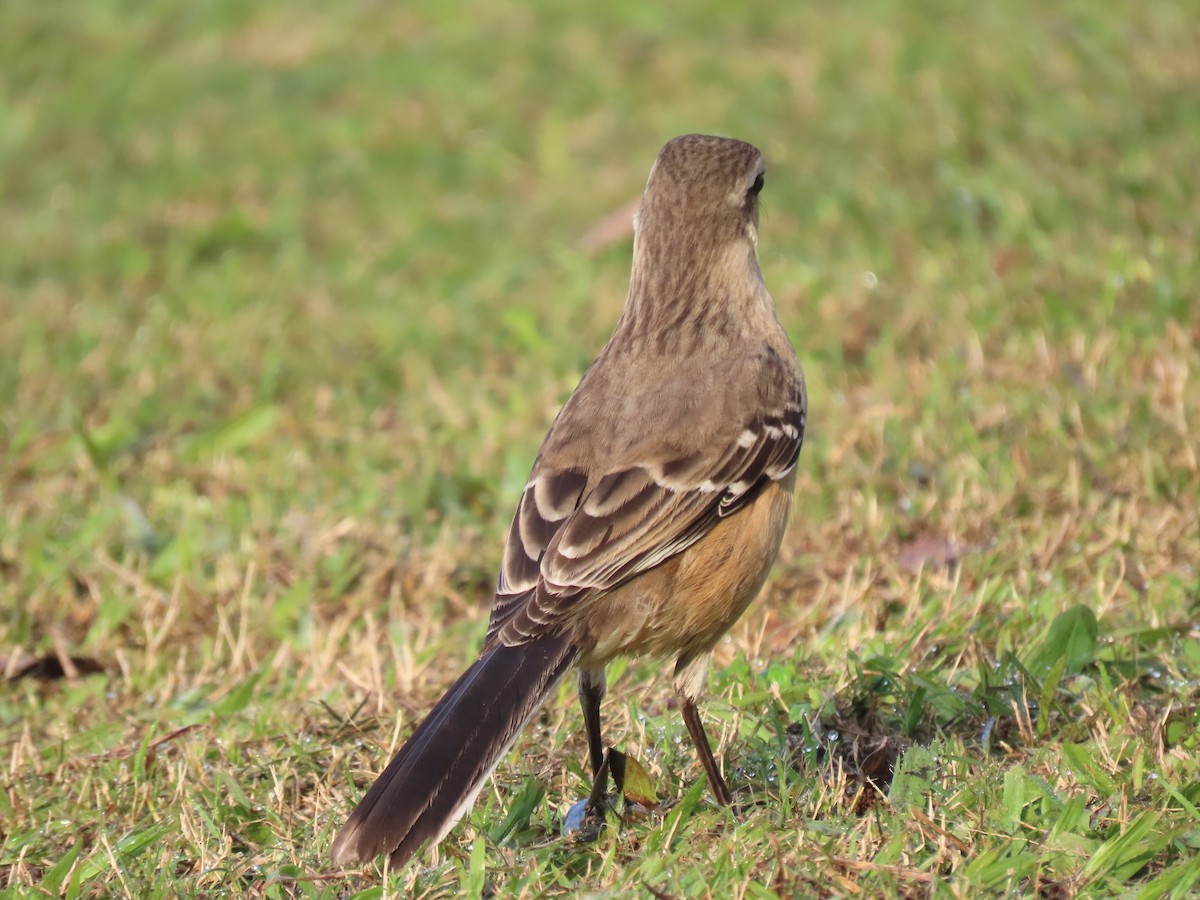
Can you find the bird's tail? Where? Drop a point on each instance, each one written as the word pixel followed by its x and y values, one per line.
pixel 437 774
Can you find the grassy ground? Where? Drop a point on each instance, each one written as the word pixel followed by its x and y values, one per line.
pixel 289 294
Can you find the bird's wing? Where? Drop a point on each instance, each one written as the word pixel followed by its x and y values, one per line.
pixel 573 537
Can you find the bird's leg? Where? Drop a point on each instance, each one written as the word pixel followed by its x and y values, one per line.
pixel 690 677
pixel 585 819
pixel 691 718
pixel 592 687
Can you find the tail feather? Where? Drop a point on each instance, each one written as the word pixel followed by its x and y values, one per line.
pixel 437 774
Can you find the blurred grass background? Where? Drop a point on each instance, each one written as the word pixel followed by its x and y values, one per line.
pixel 289 294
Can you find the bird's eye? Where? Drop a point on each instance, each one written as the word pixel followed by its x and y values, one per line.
pixel 757 186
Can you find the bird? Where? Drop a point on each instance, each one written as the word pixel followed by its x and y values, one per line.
pixel 654 510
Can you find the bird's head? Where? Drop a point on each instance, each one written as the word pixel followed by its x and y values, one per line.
pixel 701 198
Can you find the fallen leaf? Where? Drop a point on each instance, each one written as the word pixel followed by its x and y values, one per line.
pixel 617 226
pixel 632 779
pixel 931 551
pixel 51 667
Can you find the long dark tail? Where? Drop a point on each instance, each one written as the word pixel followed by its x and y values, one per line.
pixel 437 774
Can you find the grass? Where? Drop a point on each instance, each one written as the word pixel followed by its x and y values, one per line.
pixel 289 295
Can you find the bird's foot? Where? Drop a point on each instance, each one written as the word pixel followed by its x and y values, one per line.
pixel 585 819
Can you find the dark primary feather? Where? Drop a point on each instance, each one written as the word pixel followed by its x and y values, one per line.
pixel 450 754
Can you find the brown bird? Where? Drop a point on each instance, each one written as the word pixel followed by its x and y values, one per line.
pixel 654 510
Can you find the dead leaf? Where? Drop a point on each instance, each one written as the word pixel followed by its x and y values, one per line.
pixel 614 228
pixel 52 667
pixel 632 779
pixel 930 551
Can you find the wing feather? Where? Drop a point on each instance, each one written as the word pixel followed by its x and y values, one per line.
pixel 573 536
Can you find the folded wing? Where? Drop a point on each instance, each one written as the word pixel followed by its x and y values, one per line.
pixel 575 536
